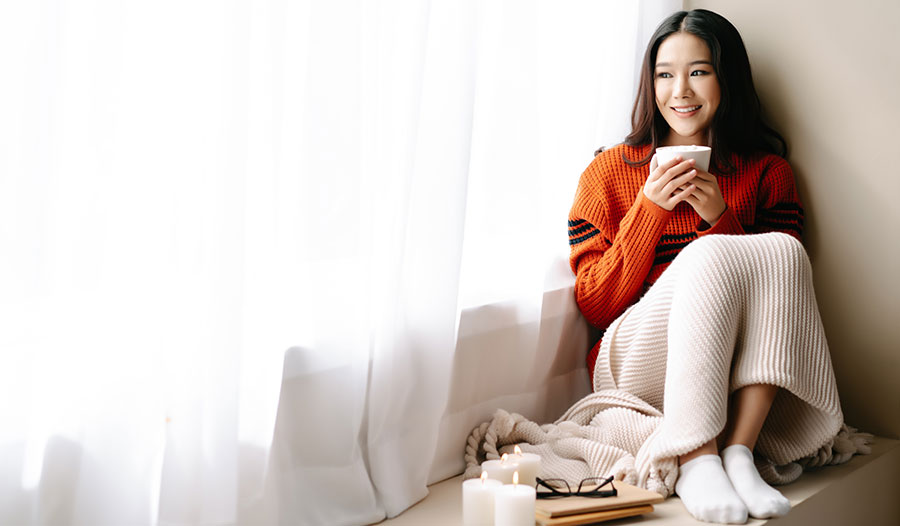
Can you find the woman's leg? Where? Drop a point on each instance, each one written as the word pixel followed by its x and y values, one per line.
pixel 705 489
pixel 709 448
pixel 709 485
pixel 749 407
pixel 752 404
pixel 712 312
pixel 704 486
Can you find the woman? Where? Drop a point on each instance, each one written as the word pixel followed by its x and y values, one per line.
pixel 718 332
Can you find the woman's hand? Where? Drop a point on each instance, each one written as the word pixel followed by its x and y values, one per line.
pixel 671 182
pixel 706 197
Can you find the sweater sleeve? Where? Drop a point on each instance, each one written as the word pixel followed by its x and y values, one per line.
pixel 611 262
pixel 779 208
pixel 727 224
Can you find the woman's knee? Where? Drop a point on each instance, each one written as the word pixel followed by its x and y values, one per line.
pixel 728 256
pixel 788 250
pixel 702 254
pixel 710 248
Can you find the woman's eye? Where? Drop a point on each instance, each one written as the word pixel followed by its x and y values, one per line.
pixel 664 75
pixel 699 72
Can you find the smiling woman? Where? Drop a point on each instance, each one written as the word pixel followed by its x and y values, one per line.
pixel 719 333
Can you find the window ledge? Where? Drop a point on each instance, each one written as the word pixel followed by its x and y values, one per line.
pixel 862 491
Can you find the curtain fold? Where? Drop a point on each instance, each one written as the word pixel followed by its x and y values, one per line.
pixel 236 238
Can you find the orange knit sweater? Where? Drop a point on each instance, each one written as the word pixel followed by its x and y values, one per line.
pixel 621 241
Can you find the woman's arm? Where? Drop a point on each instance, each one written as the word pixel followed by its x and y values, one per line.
pixel 778 207
pixel 611 262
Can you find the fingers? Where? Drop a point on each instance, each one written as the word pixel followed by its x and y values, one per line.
pixel 669 169
pixel 680 195
pixel 689 188
pixel 679 182
pixel 706 177
pixel 700 189
pixel 705 182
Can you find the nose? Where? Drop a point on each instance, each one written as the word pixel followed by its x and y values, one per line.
pixel 682 87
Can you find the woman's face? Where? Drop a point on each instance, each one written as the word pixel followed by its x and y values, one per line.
pixel 687 90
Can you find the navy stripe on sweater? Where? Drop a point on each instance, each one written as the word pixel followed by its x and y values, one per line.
pixel 581 229
pixel 793 227
pixel 576 240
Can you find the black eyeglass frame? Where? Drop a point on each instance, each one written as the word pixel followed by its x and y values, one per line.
pixel 593 493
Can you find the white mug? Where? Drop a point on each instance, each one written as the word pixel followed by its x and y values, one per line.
pixel 698 153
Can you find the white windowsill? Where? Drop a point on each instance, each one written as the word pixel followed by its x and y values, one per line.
pixel 862 491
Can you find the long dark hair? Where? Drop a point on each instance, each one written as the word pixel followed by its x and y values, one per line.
pixel 737 126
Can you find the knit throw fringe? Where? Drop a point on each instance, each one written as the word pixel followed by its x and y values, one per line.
pixel 730 311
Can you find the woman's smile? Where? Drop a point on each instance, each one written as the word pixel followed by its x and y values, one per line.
pixel 686 111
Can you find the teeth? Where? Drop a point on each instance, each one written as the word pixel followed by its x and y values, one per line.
pixel 686 110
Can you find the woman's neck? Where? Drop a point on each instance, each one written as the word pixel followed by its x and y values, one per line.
pixel 673 139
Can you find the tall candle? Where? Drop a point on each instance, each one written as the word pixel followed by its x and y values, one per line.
pixel 514 504
pixel 478 501
pixel 529 466
pixel 501 470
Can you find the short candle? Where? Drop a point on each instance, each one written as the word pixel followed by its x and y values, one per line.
pixel 478 500
pixel 529 466
pixel 501 470
pixel 514 504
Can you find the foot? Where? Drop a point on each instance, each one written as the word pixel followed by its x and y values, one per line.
pixel 763 501
pixel 707 493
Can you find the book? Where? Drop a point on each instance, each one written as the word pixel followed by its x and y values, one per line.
pixel 628 497
pixel 594 517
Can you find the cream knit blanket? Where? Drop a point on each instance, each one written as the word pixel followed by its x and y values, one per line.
pixel 729 311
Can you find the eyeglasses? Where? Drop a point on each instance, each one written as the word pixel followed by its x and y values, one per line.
pixel 589 487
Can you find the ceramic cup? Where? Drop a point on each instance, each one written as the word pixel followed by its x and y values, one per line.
pixel 698 153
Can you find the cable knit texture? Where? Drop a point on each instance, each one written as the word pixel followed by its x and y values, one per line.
pixel 728 311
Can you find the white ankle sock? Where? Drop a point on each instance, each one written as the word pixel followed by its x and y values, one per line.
pixel 763 501
pixel 707 493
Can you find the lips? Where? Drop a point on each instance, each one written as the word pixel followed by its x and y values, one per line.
pixel 686 111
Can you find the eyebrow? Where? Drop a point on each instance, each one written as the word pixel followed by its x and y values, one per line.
pixel 669 64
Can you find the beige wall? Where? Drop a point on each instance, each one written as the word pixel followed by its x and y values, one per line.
pixel 828 74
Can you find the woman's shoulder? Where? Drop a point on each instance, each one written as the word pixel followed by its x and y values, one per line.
pixel 610 178
pixel 761 163
pixel 612 161
pixel 767 173
pixel 621 151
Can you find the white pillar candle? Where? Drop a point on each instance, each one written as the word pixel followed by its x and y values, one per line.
pixel 501 470
pixel 529 466
pixel 478 501
pixel 514 505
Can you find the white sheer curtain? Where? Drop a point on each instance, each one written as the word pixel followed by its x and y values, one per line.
pixel 207 207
